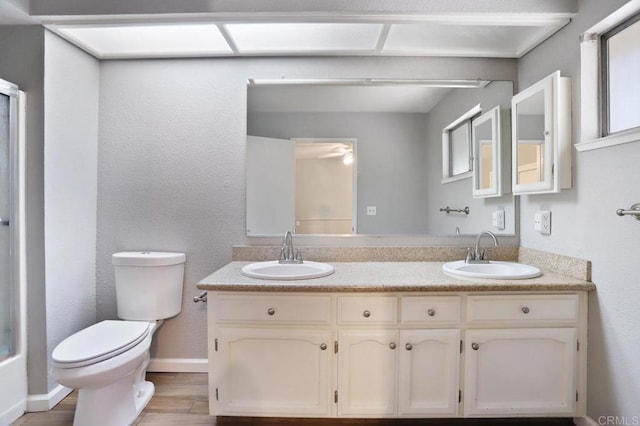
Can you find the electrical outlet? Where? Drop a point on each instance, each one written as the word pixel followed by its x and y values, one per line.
pixel 371 210
pixel 497 219
pixel 542 222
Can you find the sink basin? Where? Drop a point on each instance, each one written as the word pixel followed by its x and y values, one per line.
pixel 287 271
pixel 496 270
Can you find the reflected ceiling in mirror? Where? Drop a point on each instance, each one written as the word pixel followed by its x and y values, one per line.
pixel 396 129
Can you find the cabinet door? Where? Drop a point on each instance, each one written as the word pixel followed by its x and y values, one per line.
pixel 520 372
pixel 428 373
pixel 273 372
pixel 367 372
pixel 541 137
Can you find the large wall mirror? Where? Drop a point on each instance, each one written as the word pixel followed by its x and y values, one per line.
pixel 340 157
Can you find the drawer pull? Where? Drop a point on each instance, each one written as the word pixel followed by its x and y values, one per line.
pixel 392 345
pixel 475 346
pixel 271 311
pixel 323 346
pixel 408 346
pixel 525 310
pixel 366 314
pixel 431 312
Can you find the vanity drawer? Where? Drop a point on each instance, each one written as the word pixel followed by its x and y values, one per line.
pixel 272 309
pixel 438 310
pixel 521 309
pixel 367 310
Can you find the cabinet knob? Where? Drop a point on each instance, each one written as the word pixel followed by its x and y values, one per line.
pixel 546 133
pixel 431 312
pixel 408 346
pixel 323 346
pixel 271 311
pixel 525 310
pixel 475 346
pixel 366 314
pixel 392 345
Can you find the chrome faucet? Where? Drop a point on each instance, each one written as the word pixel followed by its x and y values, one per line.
pixel 478 255
pixel 287 252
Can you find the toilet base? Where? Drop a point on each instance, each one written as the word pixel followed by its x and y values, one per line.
pixel 117 404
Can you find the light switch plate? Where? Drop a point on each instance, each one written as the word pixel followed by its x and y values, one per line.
pixel 542 222
pixel 371 210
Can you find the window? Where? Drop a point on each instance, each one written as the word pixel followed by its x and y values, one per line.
pixel 620 69
pixel 456 147
pixel 610 89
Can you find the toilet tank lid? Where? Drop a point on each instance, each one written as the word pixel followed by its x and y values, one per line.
pixel 147 258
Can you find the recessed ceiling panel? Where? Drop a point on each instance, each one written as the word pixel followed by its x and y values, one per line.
pixel 304 37
pixel 147 40
pixel 464 40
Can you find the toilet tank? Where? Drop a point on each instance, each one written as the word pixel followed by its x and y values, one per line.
pixel 148 284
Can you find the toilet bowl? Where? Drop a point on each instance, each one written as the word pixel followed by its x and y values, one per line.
pixel 107 361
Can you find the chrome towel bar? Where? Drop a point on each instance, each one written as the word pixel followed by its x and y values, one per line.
pixel 634 211
pixel 450 210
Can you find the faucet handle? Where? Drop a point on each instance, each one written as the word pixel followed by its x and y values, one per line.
pixel 469 256
pixel 283 254
pixel 299 255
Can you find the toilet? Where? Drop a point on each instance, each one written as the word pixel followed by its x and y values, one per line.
pixel 107 361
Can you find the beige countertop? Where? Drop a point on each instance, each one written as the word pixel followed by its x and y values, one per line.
pixel 386 277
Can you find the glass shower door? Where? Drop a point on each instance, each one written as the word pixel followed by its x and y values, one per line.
pixel 13 359
pixel 7 345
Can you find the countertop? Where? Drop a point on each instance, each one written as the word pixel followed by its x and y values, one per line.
pixel 386 277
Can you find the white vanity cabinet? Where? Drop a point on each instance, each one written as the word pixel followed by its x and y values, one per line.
pixel 367 373
pixel 392 362
pixel 428 383
pixel 397 354
pixel 271 355
pixel 521 355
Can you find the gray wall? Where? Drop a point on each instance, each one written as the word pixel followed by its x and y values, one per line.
pixel 171 158
pixel 71 145
pixel 459 194
pixel 584 225
pixel 391 155
pixel 22 63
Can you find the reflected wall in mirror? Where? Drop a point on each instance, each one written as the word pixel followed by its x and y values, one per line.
pixel 398 129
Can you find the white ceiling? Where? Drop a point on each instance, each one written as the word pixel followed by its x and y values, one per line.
pixel 152 28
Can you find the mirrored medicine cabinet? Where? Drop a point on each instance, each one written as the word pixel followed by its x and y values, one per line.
pixel 541 137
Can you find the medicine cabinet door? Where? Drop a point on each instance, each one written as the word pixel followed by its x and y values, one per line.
pixel 541 119
pixel 491 146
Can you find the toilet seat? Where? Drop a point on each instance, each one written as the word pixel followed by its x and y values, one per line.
pixel 98 342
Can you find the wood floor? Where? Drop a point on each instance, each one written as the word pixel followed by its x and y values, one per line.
pixel 181 399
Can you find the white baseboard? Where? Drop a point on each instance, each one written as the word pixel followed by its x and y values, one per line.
pixel 46 402
pixel 13 413
pixel 178 365
pixel 584 421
